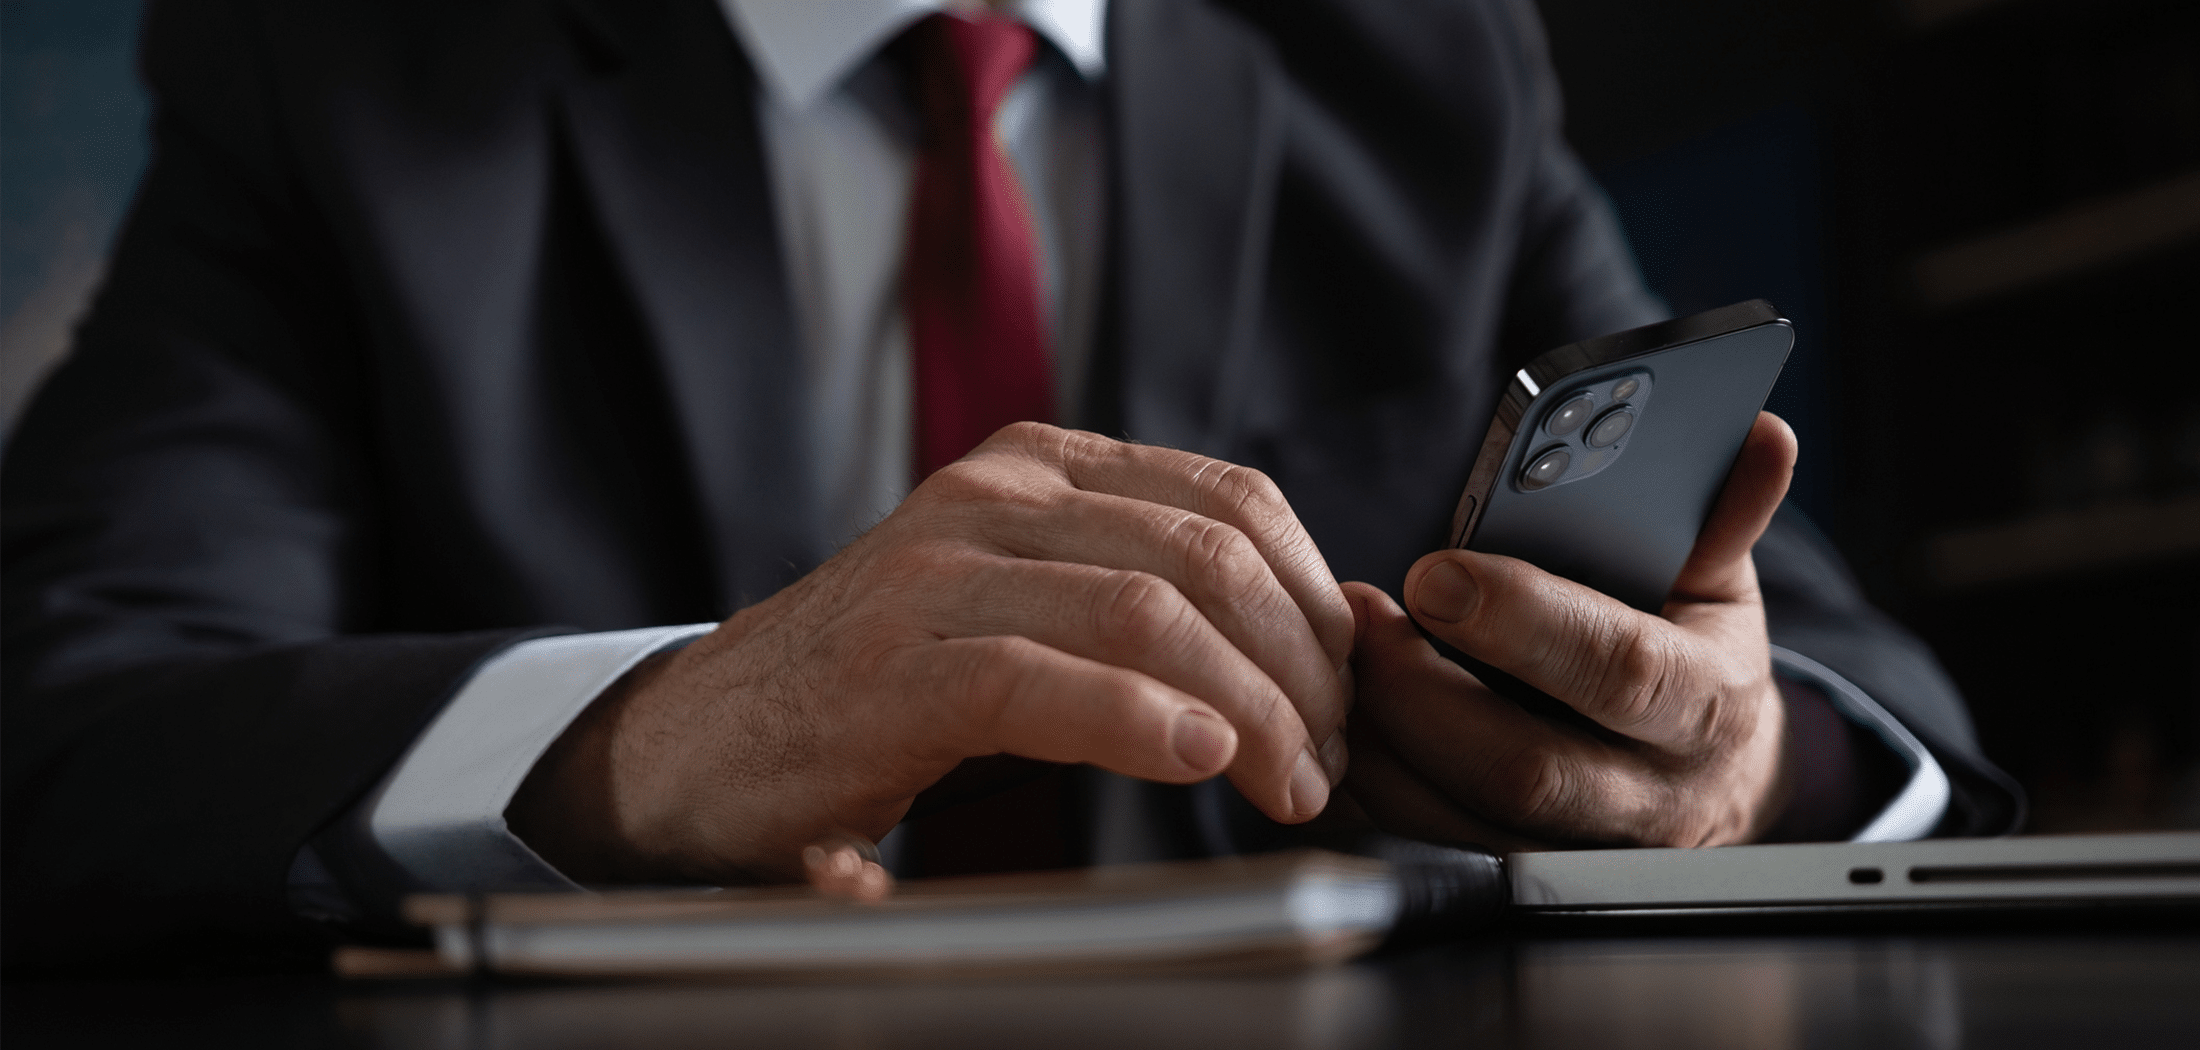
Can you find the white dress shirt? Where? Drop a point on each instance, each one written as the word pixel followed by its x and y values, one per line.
pixel 840 136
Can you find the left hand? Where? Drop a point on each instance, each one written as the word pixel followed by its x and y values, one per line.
pixel 1692 756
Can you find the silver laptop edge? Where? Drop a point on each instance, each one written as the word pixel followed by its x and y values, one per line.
pixel 2162 865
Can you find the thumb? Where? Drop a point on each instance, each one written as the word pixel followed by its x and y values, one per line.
pixel 1718 568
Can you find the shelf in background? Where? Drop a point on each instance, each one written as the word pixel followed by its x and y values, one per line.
pixel 2045 544
pixel 2076 238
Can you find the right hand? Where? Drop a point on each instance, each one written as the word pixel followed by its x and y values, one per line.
pixel 1054 595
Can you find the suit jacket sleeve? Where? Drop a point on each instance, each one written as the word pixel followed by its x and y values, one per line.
pixel 1575 278
pixel 188 691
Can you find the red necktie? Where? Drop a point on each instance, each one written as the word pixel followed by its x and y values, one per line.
pixel 971 285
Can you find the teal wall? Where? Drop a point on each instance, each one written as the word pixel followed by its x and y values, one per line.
pixel 72 144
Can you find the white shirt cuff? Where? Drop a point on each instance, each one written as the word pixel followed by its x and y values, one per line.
pixel 439 816
pixel 1918 807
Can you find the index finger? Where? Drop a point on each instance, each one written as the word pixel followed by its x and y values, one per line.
pixel 1241 497
pixel 1718 567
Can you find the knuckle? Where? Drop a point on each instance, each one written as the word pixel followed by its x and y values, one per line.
pixel 962 481
pixel 1736 712
pixel 1250 495
pixel 975 671
pixel 1137 607
pixel 984 679
pixel 1218 555
pixel 1006 454
pixel 1069 451
pixel 1636 682
pixel 978 484
pixel 1026 435
pixel 1532 786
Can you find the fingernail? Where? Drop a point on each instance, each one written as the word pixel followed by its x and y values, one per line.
pixel 1201 741
pixel 874 885
pixel 1334 756
pixel 1447 593
pixel 1309 788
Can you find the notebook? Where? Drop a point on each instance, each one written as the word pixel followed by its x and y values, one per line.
pixel 1274 911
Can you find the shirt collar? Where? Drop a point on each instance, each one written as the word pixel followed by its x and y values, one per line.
pixel 805 47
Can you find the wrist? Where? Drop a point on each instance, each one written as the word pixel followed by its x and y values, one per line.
pixel 573 811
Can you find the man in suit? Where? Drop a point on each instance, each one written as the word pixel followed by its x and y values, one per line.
pixel 450 353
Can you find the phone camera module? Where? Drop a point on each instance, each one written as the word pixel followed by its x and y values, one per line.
pixel 1570 416
pixel 1547 468
pixel 1626 388
pixel 1610 429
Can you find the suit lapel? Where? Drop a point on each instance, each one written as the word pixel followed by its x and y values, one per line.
pixel 663 129
pixel 664 132
pixel 1198 117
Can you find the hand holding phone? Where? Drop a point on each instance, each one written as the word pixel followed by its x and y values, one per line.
pixel 1657 642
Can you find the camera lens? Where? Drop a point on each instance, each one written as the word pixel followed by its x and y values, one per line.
pixel 1611 428
pixel 1626 388
pixel 1570 416
pixel 1546 469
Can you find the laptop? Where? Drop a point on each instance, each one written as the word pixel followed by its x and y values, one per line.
pixel 2139 869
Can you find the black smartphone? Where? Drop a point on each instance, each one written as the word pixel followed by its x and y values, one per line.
pixel 1606 455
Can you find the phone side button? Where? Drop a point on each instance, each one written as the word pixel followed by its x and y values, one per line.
pixel 1466 520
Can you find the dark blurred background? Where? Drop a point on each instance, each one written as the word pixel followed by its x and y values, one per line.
pixel 1983 216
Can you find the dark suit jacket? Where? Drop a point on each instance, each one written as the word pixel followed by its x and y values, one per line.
pixel 439 323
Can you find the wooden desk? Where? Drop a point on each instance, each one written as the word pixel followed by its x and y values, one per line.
pixel 2128 990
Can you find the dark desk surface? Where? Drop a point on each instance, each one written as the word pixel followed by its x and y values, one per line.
pixel 2128 990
